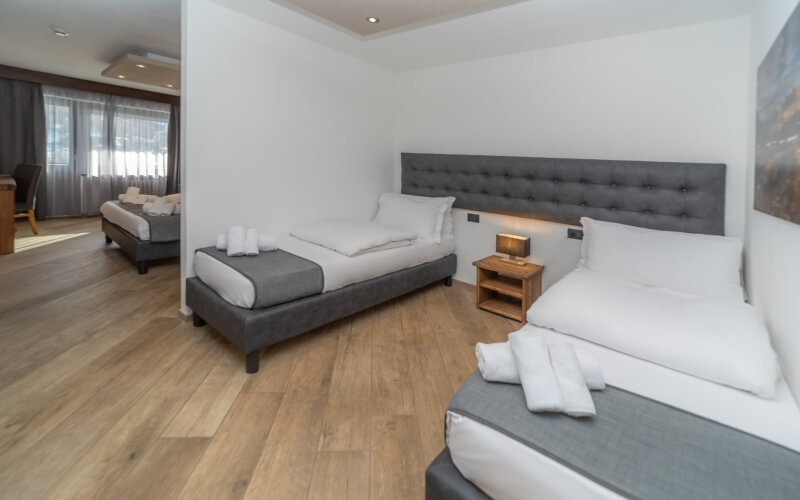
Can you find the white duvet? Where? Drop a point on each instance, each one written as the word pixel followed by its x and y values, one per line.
pixel 353 238
pixel 721 340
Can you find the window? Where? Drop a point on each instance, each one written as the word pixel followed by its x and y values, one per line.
pixel 98 145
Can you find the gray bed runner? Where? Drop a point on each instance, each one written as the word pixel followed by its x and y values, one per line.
pixel 638 447
pixel 277 277
pixel 163 228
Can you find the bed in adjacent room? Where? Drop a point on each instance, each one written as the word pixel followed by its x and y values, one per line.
pixel 322 272
pixel 141 234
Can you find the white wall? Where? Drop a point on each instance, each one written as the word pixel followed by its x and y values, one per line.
pixel 674 95
pixel 772 244
pixel 278 129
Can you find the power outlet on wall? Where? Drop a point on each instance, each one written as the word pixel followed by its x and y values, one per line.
pixel 575 234
pixel 473 217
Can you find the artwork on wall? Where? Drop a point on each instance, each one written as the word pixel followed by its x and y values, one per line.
pixel 777 176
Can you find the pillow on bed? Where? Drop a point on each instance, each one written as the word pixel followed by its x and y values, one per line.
pixel 444 223
pixel 403 214
pixel 695 264
pixel 718 340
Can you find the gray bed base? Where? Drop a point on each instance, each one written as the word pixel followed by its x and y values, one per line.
pixel 444 482
pixel 254 329
pixel 142 252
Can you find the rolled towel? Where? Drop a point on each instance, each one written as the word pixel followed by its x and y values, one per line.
pixel 251 242
pixel 496 364
pixel 222 242
pixel 236 239
pixel 267 242
pixel 539 383
pixel 574 392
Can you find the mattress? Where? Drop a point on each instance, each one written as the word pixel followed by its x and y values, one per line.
pixel 506 469
pixel 132 223
pixel 338 270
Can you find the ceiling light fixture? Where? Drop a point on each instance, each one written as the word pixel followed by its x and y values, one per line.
pixel 373 20
pixel 141 66
pixel 59 31
pixel 121 76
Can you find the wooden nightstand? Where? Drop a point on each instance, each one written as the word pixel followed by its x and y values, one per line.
pixel 506 288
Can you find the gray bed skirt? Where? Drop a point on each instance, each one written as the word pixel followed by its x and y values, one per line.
pixel 444 482
pixel 253 330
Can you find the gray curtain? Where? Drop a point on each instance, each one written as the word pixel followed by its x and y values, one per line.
pixel 22 132
pixel 173 158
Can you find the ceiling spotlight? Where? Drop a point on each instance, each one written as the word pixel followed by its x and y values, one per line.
pixel 170 85
pixel 121 76
pixel 373 20
pixel 59 31
pixel 141 66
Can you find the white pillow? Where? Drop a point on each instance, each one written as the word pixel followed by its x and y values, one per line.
pixel 404 214
pixel 718 340
pixel 695 264
pixel 444 224
pixel 174 198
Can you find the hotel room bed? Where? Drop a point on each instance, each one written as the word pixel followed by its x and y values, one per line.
pixel 142 237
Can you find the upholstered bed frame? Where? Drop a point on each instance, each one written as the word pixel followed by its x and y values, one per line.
pixel 687 197
pixel 142 252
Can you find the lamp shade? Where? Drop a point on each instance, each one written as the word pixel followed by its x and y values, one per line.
pixel 512 244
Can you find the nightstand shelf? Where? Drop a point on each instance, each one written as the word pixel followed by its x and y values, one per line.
pixel 506 288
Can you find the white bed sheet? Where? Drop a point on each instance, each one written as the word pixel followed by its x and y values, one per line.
pixel 338 270
pixel 132 223
pixel 506 469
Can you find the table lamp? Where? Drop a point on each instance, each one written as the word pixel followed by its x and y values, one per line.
pixel 513 245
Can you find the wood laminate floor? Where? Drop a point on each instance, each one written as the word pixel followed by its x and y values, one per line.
pixel 105 392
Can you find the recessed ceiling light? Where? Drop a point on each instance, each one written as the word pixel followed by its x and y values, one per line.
pixel 373 20
pixel 141 66
pixel 59 31
pixel 121 76
pixel 170 85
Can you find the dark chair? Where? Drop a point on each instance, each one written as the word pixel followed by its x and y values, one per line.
pixel 27 178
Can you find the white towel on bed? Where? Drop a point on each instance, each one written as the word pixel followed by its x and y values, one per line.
pixel 539 383
pixel 266 242
pixel 236 241
pixel 251 242
pixel 574 392
pixel 496 364
pixel 161 207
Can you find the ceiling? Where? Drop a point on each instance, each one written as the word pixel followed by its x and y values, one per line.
pixel 392 14
pixel 515 27
pixel 100 32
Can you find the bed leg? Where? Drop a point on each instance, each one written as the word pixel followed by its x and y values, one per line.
pixel 108 240
pixel 142 267
pixel 197 320
pixel 448 281
pixel 251 361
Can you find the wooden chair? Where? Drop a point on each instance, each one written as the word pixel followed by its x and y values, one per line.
pixel 27 177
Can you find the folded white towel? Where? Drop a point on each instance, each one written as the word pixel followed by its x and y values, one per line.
pixel 574 393
pixel 251 242
pixel 222 242
pixel 174 198
pixel 177 210
pixel 539 383
pixel 160 206
pixel 267 242
pixel 236 241
pixel 147 206
pixel 496 364
pixel 132 192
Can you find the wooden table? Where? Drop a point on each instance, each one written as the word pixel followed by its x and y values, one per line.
pixel 7 228
pixel 507 288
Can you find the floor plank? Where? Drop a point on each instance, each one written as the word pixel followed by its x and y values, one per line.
pixel 340 475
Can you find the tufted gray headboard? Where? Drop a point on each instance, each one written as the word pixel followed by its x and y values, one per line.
pixel 688 197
